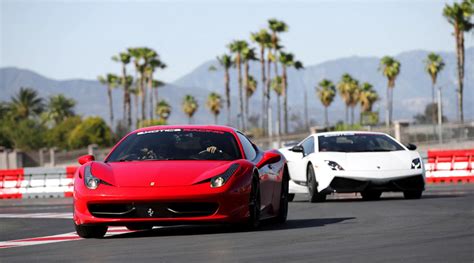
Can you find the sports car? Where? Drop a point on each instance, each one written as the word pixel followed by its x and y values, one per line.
pixel 180 175
pixel 368 163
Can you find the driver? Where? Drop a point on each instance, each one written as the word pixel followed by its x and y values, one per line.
pixel 210 148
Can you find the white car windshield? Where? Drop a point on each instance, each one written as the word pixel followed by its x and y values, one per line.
pixel 357 143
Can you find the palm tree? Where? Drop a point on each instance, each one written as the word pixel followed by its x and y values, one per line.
pixel 434 64
pixel 368 96
pixel 155 85
pixel 59 108
pixel 237 47
pixel 326 92
pixel 124 59
pixel 287 60
pixel 110 81
pixel 354 93
pixel 276 26
pixel 247 55
pixel 250 90
pixel 277 87
pixel 390 68
pixel 26 103
pixel 344 88
pixel 214 104
pixel 190 106
pixel 135 91
pixel 226 62
pixel 163 110
pixel 459 16
pixel 264 40
pixel 154 63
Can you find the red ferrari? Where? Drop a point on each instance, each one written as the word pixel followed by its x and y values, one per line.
pixel 180 175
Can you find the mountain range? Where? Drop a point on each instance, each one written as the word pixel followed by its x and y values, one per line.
pixel 412 91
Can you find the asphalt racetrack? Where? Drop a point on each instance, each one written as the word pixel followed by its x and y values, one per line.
pixel 437 228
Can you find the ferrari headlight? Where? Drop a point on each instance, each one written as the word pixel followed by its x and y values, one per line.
pixel 416 163
pixel 221 179
pixel 91 181
pixel 334 166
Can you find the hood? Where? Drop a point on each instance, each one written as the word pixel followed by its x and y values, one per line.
pixel 162 173
pixel 371 161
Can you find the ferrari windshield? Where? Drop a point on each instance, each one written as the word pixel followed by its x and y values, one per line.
pixel 357 143
pixel 176 144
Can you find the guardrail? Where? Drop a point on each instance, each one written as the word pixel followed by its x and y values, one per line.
pixel 37 182
pixel 442 166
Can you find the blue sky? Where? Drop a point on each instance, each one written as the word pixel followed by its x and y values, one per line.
pixel 75 39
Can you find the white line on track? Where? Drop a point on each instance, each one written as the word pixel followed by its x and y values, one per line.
pixel 113 231
pixel 38 215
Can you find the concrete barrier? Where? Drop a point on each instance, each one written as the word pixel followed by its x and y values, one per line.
pixel 450 166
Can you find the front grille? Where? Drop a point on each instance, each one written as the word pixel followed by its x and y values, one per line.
pixel 410 183
pixel 151 210
pixel 351 185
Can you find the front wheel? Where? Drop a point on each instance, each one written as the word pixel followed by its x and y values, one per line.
pixel 92 231
pixel 413 194
pixel 254 206
pixel 314 195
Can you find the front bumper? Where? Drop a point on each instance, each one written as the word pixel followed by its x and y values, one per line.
pixel 297 187
pixel 110 205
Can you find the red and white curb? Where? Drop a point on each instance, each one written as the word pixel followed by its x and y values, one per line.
pixel 38 215
pixel 113 231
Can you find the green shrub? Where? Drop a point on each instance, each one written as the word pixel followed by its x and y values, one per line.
pixel 92 130
pixel 58 136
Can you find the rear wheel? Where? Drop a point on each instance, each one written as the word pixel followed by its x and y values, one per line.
pixel 86 231
pixel 371 195
pixel 283 210
pixel 314 195
pixel 413 194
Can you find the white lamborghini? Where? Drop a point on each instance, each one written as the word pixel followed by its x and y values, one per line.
pixel 346 162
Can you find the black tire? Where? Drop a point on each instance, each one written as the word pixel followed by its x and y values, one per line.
pixel 253 221
pixel 371 195
pixel 91 231
pixel 283 210
pixel 314 195
pixel 291 197
pixel 412 194
pixel 139 227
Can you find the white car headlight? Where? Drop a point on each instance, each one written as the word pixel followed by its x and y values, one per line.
pixel 334 166
pixel 221 179
pixel 416 163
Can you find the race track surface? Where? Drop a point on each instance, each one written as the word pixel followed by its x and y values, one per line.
pixel 437 228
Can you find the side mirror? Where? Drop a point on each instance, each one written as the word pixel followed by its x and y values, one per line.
pixel 297 149
pixel 269 157
pixel 85 159
pixel 411 147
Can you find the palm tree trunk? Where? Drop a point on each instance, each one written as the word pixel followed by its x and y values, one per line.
pixel 143 95
pixel 241 98
pixel 352 115
pixel 326 118
pixel 391 106
pixel 215 118
pixel 227 94
pixel 279 115
pixel 460 57
pixel 347 114
pixel 262 65
pixel 246 81
pixel 387 105
pixel 156 101
pixel 111 108
pixel 136 110
pixel 150 89
pixel 268 99
pixel 127 109
pixel 285 99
